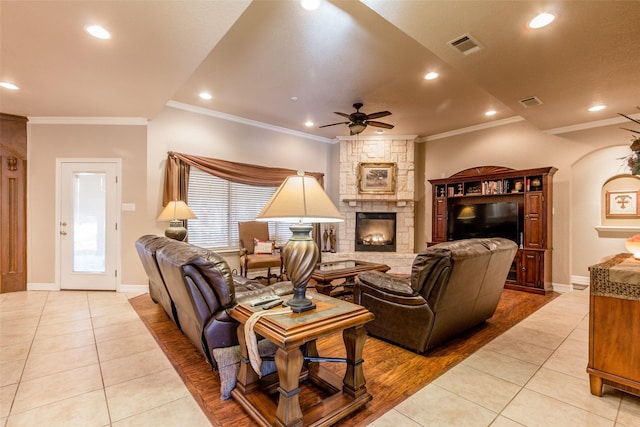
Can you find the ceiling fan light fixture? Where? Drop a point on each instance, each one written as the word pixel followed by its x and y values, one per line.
pixel 357 128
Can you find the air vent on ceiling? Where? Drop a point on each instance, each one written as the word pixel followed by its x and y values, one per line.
pixel 532 101
pixel 466 44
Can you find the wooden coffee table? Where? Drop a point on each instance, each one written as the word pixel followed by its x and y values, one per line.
pixel 297 357
pixel 327 272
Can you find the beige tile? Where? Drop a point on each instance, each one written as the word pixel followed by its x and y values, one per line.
pixel 629 415
pixel 473 385
pixel 143 394
pixel 62 328
pixel 62 342
pixel 499 365
pixel 40 365
pixel 19 314
pixel 505 422
pixel 7 393
pixel 533 409
pixel 574 391
pixel 571 358
pixel 394 418
pixel 10 372
pixel 541 338
pixel 120 330
pixel 434 405
pixel 137 365
pixel 18 351
pixel 113 309
pixel 89 409
pixel 17 335
pixel 103 321
pixel 181 412
pixel 529 352
pixel 65 315
pixel 121 347
pixel 53 388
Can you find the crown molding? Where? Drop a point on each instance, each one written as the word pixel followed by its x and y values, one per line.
pixel 376 137
pixel 473 128
pixel 590 125
pixel 249 122
pixel 127 121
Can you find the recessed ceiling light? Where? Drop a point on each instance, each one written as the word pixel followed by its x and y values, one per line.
pixel 294 98
pixel 431 75
pixel 310 4
pixel 542 20
pixel 597 108
pixel 98 32
pixel 490 113
pixel 308 123
pixel 8 85
pixel 379 131
pixel 205 95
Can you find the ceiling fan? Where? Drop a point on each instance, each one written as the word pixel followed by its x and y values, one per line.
pixel 359 121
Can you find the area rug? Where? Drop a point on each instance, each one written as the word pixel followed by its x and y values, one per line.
pixel 392 373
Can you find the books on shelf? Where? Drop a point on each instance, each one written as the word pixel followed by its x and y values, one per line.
pixel 494 187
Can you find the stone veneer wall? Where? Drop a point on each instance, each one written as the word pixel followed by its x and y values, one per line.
pixel 400 151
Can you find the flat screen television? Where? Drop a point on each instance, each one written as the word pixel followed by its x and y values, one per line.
pixel 502 219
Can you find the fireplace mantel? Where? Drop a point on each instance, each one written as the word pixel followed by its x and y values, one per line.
pixel 398 202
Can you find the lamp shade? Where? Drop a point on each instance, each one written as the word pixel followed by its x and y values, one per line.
pixel 176 209
pixel 300 197
pixel 357 128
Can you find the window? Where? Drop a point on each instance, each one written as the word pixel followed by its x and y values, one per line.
pixel 220 204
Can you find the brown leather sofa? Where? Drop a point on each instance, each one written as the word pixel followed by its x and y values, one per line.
pixel 195 286
pixel 453 286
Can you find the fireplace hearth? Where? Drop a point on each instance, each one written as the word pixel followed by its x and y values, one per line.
pixel 375 231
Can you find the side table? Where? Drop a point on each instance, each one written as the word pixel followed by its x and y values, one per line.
pixel 614 325
pixel 295 334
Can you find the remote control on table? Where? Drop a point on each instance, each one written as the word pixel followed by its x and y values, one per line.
pixel 264 300
pixel 272 304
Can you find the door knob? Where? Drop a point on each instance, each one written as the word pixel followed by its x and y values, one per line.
pixel 63 233
pixel 63 223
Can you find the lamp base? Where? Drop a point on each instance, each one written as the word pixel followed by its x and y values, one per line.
pixel 300 256
pixel 176 230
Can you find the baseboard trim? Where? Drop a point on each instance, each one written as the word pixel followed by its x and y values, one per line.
pixel 580 280
pixel 133 289
pixel 42 287
pixel 561 287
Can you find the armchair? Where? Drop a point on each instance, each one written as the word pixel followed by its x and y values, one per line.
pixel 251 257
pixel 453 286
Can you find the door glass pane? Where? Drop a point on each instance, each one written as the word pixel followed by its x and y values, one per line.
pixel 89 203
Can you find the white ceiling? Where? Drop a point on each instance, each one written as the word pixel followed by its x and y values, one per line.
pixel 254 56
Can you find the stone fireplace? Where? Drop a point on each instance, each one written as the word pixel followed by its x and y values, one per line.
pixel 398 150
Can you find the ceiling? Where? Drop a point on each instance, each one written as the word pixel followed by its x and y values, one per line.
pixel 254 56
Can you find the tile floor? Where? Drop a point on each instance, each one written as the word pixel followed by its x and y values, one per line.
pixel 86 359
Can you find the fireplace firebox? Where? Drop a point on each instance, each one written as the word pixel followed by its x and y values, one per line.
pixel 376 231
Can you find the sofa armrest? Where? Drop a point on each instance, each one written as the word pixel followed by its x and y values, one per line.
pixel 387 283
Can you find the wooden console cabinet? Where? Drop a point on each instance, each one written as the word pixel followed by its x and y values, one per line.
pixel 532 189
pixel 614 325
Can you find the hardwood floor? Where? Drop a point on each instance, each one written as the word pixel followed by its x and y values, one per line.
pixel 390 370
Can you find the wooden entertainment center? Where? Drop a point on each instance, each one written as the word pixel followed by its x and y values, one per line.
pixel 531 189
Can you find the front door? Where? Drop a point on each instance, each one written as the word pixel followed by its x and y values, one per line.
pixel 88 224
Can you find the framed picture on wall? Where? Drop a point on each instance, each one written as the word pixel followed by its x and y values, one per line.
pixel 377 178
pixel 622 204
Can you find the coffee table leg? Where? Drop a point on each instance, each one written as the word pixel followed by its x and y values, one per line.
pixel 354 382
pixel 289 365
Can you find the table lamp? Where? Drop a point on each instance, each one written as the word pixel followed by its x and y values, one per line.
pixel 300 198
pixel 175 212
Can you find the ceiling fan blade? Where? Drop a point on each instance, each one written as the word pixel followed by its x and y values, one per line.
pixel 333 124
pixel 378 115
pixel 379 124
pixel 346 116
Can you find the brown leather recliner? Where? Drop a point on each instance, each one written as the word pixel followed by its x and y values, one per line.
pixel 201 288
pixel 453 286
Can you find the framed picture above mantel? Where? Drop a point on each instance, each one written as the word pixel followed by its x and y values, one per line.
pixel 377 178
